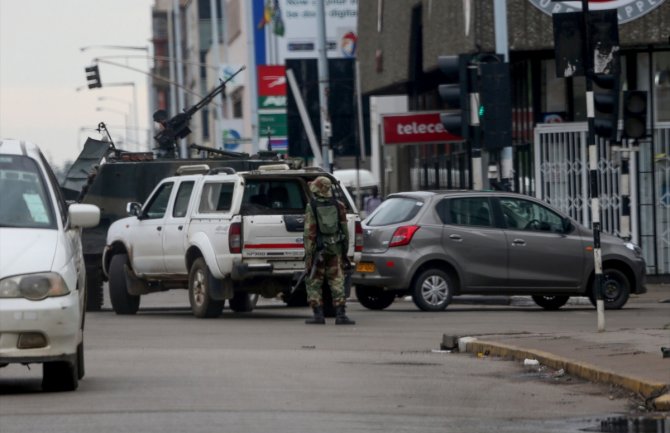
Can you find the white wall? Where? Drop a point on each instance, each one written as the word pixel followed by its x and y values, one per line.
pixel 384 160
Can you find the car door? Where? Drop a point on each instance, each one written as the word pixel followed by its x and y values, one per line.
pixel 147 237
pixel 473 242
pixel 174 226
pixel 542 255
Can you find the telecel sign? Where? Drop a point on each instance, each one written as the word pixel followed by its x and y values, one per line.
pixel 627 10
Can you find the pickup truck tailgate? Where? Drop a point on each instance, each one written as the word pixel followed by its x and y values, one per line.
pixel 268 237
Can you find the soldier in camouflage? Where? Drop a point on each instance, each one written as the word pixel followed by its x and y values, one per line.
pixel 326 241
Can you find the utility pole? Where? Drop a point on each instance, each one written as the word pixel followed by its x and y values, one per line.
pixel 502 48
pixel 218 118
pixel 183 149
pixel 324 87
pixel 593 169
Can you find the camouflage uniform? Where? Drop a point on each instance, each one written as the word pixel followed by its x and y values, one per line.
pixel 331 265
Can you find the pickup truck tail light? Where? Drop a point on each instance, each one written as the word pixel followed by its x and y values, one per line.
pixel 358 239
pixel 402 236
pixel 235 238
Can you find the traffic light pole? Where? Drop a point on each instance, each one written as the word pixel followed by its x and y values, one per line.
pixel 593 171
pixel 502 48
pixel 324 87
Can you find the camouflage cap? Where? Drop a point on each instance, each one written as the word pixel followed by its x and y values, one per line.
pixel 321 186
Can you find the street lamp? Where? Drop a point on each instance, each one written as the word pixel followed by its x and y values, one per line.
pixel 146 49
pixel 134 131
pixel 124 113
pixel 126 83
pixel 114 47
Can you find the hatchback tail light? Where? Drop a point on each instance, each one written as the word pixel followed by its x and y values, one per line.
pixel 402 236
pixel 358 239
pixel 235 238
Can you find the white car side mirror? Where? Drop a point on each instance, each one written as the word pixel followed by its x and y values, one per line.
pixel 84 215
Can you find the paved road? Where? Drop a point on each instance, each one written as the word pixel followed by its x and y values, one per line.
pixel 165 371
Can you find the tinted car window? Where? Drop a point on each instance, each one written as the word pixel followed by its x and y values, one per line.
pixel 159 202
pixel 181 202
pixel 395 210
pixel 523 214
pixel 25 199
pixel 273 194
pixel 470 211
pixel 216 197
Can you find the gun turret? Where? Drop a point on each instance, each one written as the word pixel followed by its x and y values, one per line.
pixel 178 126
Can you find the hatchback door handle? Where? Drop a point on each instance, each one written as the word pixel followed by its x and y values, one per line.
pixel 520 242
pixel 180 227
pixel 456 238
pixel 159 228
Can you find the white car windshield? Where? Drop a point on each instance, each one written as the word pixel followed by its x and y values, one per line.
pixel 24 202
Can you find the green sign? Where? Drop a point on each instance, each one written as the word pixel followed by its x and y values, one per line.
pixel 273 124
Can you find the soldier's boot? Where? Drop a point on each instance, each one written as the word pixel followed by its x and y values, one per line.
pixel 341 316
pixel 318 318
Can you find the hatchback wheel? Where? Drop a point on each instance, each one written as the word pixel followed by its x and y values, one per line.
pixel 433 290
pixel 550 303
pixel 616 290
pixel 374 298
pixel 122 301
pixel 202 305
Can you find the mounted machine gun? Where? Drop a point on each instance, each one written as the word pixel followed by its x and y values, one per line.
pixel 177 127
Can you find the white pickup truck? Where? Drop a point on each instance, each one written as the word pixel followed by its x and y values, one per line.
pixel 222 235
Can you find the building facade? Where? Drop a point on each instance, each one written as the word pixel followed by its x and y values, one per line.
pixel 400 42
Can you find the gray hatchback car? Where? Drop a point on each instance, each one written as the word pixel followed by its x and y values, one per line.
pixel 440 244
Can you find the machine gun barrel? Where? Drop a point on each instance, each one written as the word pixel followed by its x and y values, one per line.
pixel 178 126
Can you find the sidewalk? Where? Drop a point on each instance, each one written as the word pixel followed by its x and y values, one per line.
pixel 629 358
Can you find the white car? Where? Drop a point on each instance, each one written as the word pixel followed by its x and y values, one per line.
pixel 42 272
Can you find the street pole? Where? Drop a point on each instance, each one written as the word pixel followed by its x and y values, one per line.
pixel 183 150
pixel 324 87
pixel 252 85
pixel 502 48
pixel 218 117
pixel 593 169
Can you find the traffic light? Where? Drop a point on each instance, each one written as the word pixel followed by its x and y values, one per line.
pixel 93 77
pixel 456 93
pixel 495 107
pixel 634 114
pixel 606 102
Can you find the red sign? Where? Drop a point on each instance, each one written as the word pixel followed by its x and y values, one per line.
pixel 271 80
pixel 415 128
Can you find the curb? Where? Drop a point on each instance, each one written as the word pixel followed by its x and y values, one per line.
pixel 658 392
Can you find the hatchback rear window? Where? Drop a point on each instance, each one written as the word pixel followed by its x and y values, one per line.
pixel 395 210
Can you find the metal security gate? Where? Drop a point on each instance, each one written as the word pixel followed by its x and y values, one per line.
pixel 562 179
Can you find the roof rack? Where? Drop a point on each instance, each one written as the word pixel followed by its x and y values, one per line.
pixel 224 170
pixel 192 169
pixel 274 167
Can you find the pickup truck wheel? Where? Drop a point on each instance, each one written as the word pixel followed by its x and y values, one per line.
pixel 374 298
pixel 122 301
pixel 202 305
pixel 241 302
pixel 93 289
pixel 297 298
